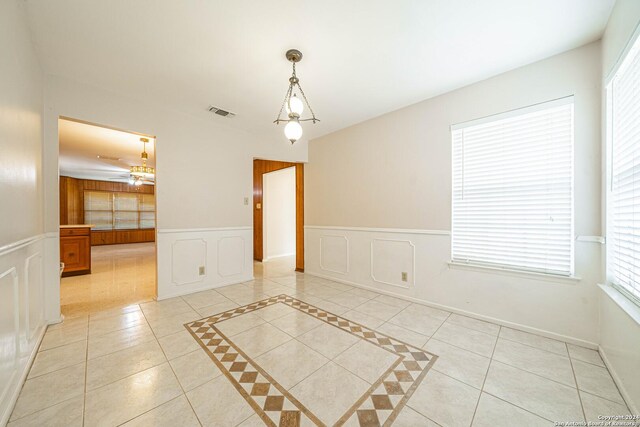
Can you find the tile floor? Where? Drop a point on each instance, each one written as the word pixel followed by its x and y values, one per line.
pixel 138 364
pixel 120 275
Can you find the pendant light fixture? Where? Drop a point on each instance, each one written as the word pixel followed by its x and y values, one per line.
pixel 144 172
pixel 293 104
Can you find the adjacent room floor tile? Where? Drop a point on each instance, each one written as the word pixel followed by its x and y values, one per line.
pixel 49 389
pixel 463 365
pixel 176 412
pixel 541 362
pixel 194 369
pixel 444 400
pixel 130 397
pixel 493 412
pixel 596 380
pixel 546 398
pixel 218 403
pixel 468 339
pixel 329 392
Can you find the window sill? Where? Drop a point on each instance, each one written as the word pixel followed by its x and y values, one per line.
pixel 516 273
pixel 625 304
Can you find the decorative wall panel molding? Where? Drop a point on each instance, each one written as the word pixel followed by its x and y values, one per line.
pixel 231 256
pixel 390 258
pixel 33 315
pixel 334 253
pixel 187 256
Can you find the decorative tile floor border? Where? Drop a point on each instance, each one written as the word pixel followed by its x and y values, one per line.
pixel 378 406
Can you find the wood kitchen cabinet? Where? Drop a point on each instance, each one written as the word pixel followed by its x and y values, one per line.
pixel 75 249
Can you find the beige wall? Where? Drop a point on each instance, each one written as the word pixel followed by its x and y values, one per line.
pixel 394 172
pixel 20 129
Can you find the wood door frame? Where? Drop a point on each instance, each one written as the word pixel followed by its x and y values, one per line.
pixel 260 167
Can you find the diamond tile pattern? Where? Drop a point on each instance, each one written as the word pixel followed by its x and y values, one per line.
pixel 276 406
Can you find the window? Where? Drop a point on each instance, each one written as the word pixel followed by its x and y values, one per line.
pixel 119 211
pixel 623 189
pixel 512 201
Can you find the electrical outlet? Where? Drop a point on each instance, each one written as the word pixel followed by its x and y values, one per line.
pixel 404 276
pixel 246 201
pixel 201 270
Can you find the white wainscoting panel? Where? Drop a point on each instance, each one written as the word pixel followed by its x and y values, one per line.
pixel 390 259
pixel 375 258
pixel 22 315
pixel 334 253
pixel 226 253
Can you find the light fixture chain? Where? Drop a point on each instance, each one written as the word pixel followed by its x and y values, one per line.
pixel 313 115
pixel 284 102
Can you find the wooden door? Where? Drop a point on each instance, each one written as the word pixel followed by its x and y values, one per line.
pixel 260 167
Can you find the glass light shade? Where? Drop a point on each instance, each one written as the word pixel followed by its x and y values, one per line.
pixel 293 131
pixel 295 106
pixel 138 182
pixel 142 171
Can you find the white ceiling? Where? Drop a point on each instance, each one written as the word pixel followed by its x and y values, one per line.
pixel 362 58
pixel 81 144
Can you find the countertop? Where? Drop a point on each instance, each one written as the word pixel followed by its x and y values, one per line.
pixel 77 226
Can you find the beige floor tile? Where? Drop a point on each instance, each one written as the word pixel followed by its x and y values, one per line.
pixel 493 412
pixel 239 324
pixel 63 336
pixel 194 369
pixel 348 300
pixel 248 298
pixel 176 412
pixel 119 340
pixel 328 340
pixel 543 397
pixel 339 286
pixel 309 299
pixel 210 310
pixel 252 421
pixel 364 293
pixel 70 322
pixel 218 403
pixel 57 358
pixel 475 324
pixel 324 292
pixel 444 400
pixel 112 367
pixel 534 340
pixel 585 355
pixel 49 389
pixel 117 311
pixel 468 339
pixel 423 310
pixel 419 322
pixel 378 309
pixel 297 323
pixel 396 302
pixel 363 319
pixel 104 325
pixel 366 360
pixel 595 406
pixel 328 306
pixel 291 362
pixel 596 380
pixel 403 334
pixel 274 311
pixel 177 344
pixel 329 392
pixel 463 365
pixel 169 325
pixel 531 359
pixel 260 339
pixel 65 414
pixel 164 308
pixel 204 298
pixel 130 397
pixel 410 418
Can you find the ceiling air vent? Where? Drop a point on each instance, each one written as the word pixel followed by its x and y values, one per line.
pixel 221 112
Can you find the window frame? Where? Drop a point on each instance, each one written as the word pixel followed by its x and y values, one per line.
pixel 608 180
pixel 520 270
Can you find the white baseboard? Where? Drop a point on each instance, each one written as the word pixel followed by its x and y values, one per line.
pixel 4 419
pixel 518 326
pixel 623 391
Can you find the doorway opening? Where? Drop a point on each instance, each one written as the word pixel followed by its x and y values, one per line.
pixel 107 217
pixel 278 217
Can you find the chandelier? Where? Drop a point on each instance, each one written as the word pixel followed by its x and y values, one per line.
pixel 144 172
pixel 293 104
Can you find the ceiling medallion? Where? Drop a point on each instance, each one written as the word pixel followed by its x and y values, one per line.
pixel 293 104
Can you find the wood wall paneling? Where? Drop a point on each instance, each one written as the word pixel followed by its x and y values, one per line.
pixel 72 209
pixel 260 167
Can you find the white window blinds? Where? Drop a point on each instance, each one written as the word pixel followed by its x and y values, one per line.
pixel 513 189
pixel 623 201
